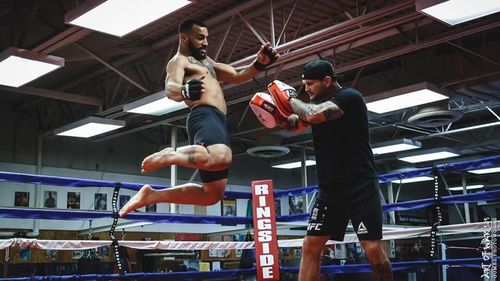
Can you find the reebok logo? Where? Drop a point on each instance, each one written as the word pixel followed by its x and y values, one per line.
pixel 362 229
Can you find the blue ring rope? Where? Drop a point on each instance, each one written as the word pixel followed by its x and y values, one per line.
pixel 348 268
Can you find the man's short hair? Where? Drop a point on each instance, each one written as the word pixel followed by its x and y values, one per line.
pixel 188 24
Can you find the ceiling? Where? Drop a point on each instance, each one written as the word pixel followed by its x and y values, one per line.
pixel 376 46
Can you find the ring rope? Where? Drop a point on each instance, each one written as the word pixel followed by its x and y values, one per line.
pixel 488 162
pixel 231 274
pixel 64 214
pixel 227 245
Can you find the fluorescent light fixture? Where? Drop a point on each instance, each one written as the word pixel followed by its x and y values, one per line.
pixel 295 163
pixel 155 104
pixel 411 180
pixel 120 17
pixel 460 188
pixel 429 155
pixel 455 12
pixel 486 171
pixel 89 127
pixel 18 66
pixel 395 146
pixel 405 97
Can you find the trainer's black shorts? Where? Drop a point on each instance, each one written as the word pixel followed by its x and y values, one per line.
pixel 207 125
pixel 364 211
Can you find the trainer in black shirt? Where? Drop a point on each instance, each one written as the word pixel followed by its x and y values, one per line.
pixel 346 171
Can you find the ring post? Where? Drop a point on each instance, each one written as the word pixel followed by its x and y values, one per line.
pixel 265 232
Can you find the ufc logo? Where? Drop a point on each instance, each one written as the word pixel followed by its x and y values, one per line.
pixel 315 226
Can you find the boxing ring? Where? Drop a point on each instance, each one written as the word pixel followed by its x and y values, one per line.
pixel 433 232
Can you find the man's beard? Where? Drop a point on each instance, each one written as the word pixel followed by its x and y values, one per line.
pixel 196 52
pixel 321 96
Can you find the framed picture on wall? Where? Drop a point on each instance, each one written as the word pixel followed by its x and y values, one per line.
pixel 73 200
pixel 49 199
pixel 228 207
pixel 100 201
pixel 21 199
pixel 123 200
pixel 212 253
pixel 78 254
pixel 103 251
pixel 239 252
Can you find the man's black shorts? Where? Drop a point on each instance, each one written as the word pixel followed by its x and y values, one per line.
pixel 207 125
pixel 364 211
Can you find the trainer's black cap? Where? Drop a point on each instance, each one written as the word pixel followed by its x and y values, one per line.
pixel 317 70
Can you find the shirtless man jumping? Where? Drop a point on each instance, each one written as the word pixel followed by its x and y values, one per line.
pixel 193 77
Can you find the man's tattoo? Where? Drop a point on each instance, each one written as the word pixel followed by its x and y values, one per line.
pixel 207 65
pixel 306 111
pixel 190 156
pixel 332 113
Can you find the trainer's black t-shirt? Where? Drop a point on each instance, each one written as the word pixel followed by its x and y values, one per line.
pixel 343 154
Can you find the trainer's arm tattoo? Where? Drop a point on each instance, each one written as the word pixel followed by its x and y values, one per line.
pixel 316 113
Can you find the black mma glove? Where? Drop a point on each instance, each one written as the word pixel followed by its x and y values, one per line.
pixel 272 58
pixel 191 90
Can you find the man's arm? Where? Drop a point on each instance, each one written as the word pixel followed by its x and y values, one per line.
pixel 316 113
pixel 174 79
pixel 227 73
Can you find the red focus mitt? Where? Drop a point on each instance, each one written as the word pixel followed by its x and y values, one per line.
pixel 263 106
pixel 282 93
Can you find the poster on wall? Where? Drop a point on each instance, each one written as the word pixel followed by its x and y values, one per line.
pixel 21 199
pixel 212 253
pixel 73 200
pixel 204 266
pixel 25 254
pixel 151 208
pixel 296 203
pixel 49 199
pixel 216 266
pixel 52 255
pixel 277 207
pixel 228 207
pixel 101 201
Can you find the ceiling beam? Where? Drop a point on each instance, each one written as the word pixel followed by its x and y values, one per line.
pixel 114 69
pixel 54 95
pixel 68 36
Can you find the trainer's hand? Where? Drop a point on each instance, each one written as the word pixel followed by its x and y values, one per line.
pixel 265 57
pixel 193 89
pixel 282 93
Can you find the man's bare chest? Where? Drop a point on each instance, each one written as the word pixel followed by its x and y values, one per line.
pixel 197 67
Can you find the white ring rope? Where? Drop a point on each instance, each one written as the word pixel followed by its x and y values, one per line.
pixel 224 245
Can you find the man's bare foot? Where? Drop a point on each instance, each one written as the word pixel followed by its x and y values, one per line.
pixel 157 160
pixel 142 198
